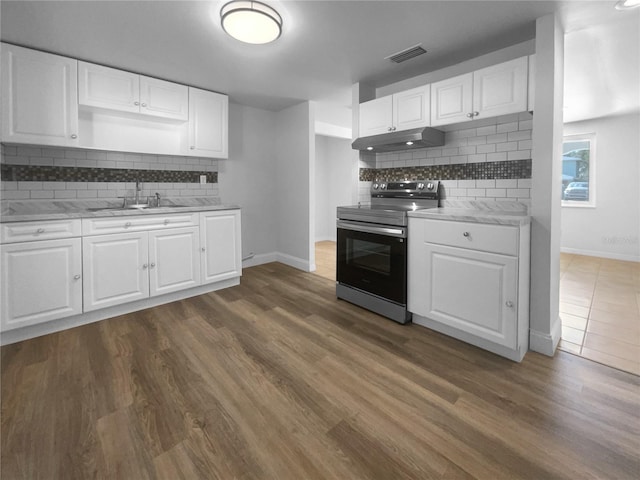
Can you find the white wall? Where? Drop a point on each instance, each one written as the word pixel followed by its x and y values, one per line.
pixel 248 178
pixel 295 158
pixel 336 166
pixel 612 228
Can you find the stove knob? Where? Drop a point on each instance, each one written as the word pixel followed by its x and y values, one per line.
pixel 430 186
pixel 420 186
pixel 383 186
pixel 375 186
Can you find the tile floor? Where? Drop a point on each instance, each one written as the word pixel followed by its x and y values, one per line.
pixel 600 310
pixel 599 306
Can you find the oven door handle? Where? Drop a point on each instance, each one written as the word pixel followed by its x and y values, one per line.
pixel 369 228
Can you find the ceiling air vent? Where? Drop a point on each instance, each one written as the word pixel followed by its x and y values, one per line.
pixel 407 54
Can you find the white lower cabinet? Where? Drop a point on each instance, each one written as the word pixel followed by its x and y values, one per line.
pixel 174 260
pixel 121 268
pixel 221 245
pixel 41 281
pixel 472 284
pixel 115 269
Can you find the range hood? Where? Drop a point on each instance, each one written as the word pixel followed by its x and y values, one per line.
pixel 398 141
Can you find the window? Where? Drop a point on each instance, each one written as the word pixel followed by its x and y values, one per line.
pixel 578 171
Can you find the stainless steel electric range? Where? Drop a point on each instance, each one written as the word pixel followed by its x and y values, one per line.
pixel 372 246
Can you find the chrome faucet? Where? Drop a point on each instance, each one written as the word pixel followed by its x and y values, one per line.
pixel 138 188
pixel 157 199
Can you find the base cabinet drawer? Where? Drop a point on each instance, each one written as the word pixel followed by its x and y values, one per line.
pixel 477 236
pixel 41 281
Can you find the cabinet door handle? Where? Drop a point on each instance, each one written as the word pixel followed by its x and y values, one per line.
pixel 76 277
pixel 203 249
pixel 144 265
pixel 192 147
pixel 40 230
pixel 144 104
pixel 136 103
pixel 509 303
pixel 152 265
pixel 469 115
pixel 475 114
pixel 465 234
pixel 74 136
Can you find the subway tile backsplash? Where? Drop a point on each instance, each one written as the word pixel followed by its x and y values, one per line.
pixel 39 173
pixel 489 162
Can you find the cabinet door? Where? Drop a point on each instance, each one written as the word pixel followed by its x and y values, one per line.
pixel 500 89
pixel 451 100
pixel 174 260
pixel 39 97
pixel 105 87
pixel 208 123
pixel 411 109
pixel 475 292
pixel 221 245
pixel 376 116
pixel 164 99
pixel 115 269
pixel 41 281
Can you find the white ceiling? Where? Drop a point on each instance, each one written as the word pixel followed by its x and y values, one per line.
pixel 326 46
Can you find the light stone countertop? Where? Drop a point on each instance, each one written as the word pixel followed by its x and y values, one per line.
pixel 477 212
pixel 24 211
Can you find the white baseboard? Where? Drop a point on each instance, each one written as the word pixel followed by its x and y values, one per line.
pixel 295 262
pixel 260 259
pixel 546 343
pixel 593 253
pixel 290 260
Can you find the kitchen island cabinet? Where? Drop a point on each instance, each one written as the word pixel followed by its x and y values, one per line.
pixel 471 280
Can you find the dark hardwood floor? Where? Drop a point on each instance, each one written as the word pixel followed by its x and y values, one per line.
pixel 276 379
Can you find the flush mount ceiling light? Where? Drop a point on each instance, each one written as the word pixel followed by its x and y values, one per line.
pixel 627 4
pixel 251 22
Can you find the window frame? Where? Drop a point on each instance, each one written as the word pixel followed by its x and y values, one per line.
pixel 591 138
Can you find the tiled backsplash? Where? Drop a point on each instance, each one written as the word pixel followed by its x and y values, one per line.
pixel 56 173
pixel 486 162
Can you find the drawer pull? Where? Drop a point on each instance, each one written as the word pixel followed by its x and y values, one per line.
pixel 465 234
pixel 509 304
pixel 76 277
pixel 40 230
pixel 166 221
pixel 127 225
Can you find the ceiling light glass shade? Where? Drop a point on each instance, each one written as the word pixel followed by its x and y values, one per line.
pixel 627 4
pixel 251 22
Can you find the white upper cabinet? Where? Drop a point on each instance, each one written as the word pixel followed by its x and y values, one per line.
pixel 531 89
pixel 451 100
pixel 500 89
pixel 39 97
pixel 208 124
pixel 394 113
pixel 113 89
pixel 488 92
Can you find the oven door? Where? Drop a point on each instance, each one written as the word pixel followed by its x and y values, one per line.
pixel 373 258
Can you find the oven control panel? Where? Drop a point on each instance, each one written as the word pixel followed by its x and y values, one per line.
pixel 417 188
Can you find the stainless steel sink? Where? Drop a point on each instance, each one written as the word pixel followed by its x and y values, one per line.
pixel 134 207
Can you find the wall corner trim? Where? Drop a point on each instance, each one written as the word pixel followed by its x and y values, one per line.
pixel 546 343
